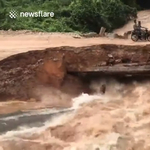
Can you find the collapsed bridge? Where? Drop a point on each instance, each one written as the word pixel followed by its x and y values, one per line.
pixel 20 74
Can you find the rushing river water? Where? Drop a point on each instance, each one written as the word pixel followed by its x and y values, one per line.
pixel 21 122
pixel 38 118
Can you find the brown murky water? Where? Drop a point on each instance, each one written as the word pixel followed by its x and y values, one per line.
pixel 100 121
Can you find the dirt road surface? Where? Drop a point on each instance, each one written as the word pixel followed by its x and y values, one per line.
pixel 13 44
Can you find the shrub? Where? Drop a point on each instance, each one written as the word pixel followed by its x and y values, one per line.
pixel 70 15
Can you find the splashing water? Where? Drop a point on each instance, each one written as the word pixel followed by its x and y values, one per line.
pixel 115 91
pixel 76 104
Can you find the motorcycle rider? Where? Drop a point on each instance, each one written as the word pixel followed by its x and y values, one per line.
pixel 135 26
pixel 143 30
pixel 139 29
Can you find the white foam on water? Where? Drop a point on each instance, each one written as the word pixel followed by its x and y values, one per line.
pixel 28 131
pixel 36 112
pixel 77 104
pixel 84 98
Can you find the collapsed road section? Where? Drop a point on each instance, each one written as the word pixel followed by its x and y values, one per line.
pixel 20 74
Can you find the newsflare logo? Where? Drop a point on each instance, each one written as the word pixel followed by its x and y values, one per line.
pixel 13 14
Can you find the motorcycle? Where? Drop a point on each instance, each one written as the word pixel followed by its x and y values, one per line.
pixel 143 35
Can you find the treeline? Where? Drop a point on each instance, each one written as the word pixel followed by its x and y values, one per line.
pixel 70 15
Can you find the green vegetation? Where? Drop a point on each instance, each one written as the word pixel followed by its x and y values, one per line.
pixel 70 15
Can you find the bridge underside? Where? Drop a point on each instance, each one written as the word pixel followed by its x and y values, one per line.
pixel 119 70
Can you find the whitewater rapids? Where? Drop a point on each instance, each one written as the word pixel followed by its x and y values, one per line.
pixel 121 101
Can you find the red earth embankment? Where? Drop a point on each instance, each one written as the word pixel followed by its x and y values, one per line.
pixel 22 74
